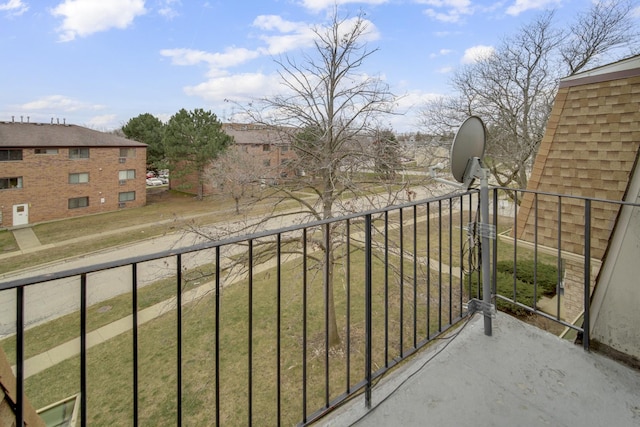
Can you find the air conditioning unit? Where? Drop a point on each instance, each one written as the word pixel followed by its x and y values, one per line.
pixel 123 181
pixel 123 159
pixel 122 205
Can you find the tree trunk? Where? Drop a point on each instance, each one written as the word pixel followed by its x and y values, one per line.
pixel 332 321
pixel 328 276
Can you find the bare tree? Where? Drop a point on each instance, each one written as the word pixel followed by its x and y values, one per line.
pixel 604 27
pixel 237 173
pixel 328 111
pixel 513 89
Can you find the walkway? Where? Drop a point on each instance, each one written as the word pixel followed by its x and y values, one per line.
pixel 26 238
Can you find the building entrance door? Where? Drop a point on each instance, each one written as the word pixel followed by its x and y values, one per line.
pixel 20 214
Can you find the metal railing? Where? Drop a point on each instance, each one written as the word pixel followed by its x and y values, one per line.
pixel 283 326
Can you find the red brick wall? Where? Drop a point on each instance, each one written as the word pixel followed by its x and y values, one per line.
pixel 275 156
pixel 46 188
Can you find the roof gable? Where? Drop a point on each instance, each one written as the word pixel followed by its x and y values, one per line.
pixel 589 149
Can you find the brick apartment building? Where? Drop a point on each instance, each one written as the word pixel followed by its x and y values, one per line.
pixel 55 171
pixel 266 144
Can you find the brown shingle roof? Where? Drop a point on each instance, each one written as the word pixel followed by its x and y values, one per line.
pixel 589 149
pixel 254 134
pixel 28 135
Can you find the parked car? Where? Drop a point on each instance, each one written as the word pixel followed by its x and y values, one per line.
pixel 154 181
pixel 164 179
pixel 150 174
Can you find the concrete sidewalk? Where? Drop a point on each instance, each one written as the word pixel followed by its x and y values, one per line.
pixel 26 238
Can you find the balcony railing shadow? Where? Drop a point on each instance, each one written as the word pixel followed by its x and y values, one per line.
pixel 284 326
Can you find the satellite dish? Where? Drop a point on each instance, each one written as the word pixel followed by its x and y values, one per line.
pixel 467 144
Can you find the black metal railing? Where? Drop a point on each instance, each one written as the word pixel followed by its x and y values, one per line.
pixel 282 326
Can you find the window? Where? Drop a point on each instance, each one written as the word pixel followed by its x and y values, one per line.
pixel 127 174
pixel 266 162
pixel 79 178
pixel 284 148
pixel 78 153
pixel 13 182
pixel 78 202
pixel 128 152
pixel 266 147
pixel 127 196
pixel 9 155
pixel 46 151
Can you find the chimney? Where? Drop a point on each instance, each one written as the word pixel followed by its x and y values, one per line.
pixel 20 119
pixel 51 120
pixel 57 121
pixel 27 119
pixel 12 119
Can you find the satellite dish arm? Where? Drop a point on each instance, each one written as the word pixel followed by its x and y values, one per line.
pixel 440 166
pixel 473 171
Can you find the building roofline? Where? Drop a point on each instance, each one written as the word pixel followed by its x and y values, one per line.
pixel 626 68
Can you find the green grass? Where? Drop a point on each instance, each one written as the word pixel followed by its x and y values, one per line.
pixel 110 364
pixel 7 242
pixel 166 212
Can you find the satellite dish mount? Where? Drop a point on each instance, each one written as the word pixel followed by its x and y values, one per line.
pixel 467 152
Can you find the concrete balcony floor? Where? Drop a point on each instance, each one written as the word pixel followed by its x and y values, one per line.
pixel 519 376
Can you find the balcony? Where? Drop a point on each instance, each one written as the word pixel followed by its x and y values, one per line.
pixel 241 331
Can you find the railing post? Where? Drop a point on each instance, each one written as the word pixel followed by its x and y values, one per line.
pixel 20 356
pixel 179 339
pixel 587 273
pixel 484 247
pixel 367 284
pixel 83 349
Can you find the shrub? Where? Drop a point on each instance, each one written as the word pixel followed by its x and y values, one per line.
pixel 546 276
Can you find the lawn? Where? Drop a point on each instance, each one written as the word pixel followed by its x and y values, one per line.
pixel 110 364
pixel 417 306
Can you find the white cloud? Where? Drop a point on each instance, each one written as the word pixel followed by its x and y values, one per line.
pixel 318 5
pixel 523 5
pixel 408 106
pixel 237 87
pixel 289 35
pixel 447 10
pixel 85 17
pixel 477 53
pixel 57 103
pixel 105 122
pixel 278 35
pixel 14 7
pixel 441 52
pixel 298 35
pixel 168 9
pixel 445 70
pixel 229 58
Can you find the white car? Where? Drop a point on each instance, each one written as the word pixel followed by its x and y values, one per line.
pixel 154 181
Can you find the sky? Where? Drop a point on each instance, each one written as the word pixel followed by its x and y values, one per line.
pixel 99 63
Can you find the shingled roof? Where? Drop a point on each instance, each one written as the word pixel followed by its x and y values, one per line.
pixel 590 149
pixel 33 135
pixel 254 134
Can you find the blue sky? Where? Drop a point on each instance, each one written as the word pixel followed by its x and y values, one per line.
pixel 98 63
